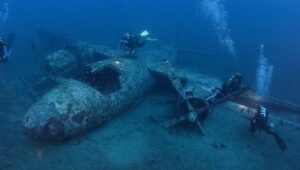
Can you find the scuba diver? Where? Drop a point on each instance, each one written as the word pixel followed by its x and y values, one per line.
pixel 261 122
pixel 232 84
pixel 131 42
pixel 5 48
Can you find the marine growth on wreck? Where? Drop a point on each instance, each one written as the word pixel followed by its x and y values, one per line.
pixel 204 84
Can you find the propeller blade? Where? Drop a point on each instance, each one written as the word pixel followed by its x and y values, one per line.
pixel 175 121
pixel 200 127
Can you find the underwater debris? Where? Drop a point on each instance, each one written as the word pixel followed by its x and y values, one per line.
pixel 105 76
pixel 61 63
pixel 84 52
pixel 110 88
pixel 188 103
pixel 195 108
pixel 74 107
pixel 251 99
pixel 70 61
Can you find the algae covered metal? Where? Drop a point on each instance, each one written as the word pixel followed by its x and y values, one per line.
pixel 110 87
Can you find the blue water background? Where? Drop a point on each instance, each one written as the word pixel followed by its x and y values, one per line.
pixel 180 24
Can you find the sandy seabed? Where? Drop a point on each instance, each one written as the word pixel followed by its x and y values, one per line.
pixel 138 140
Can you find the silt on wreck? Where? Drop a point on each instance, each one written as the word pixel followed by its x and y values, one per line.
pixel 111 86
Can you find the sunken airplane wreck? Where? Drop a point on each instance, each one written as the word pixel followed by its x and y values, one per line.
pixel 91 84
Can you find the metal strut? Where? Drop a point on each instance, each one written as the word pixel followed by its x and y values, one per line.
pixel 192 114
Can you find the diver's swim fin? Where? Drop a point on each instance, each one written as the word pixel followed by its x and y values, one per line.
pixel 280 142
pixel 144 33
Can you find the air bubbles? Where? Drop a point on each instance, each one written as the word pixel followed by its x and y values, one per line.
pixel 4 11
pixel 215 11
pixel 264 74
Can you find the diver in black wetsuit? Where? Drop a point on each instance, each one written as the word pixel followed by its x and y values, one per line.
pixel 131 42
pixel 4 51
pixel 5 48
pixel 261 122
pixel 232 84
